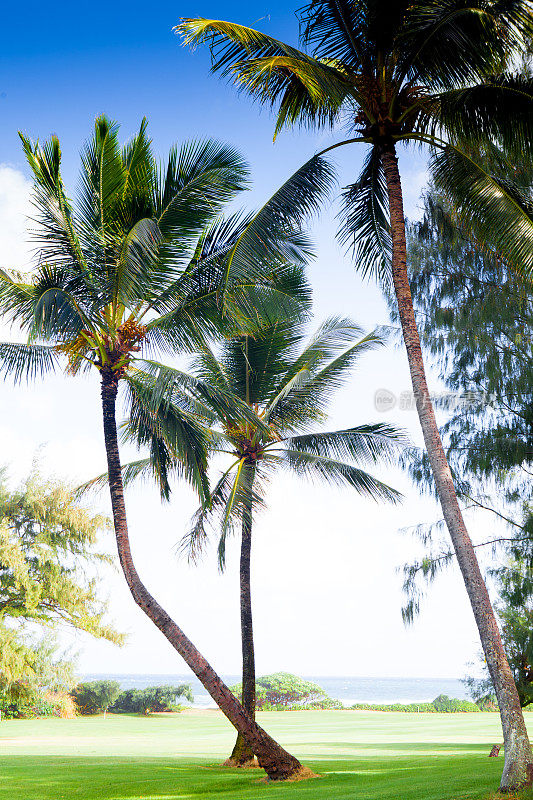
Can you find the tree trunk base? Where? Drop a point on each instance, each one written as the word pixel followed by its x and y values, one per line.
pixel 515 779
pixel 242 755
pixel 251 763
pixel 302 774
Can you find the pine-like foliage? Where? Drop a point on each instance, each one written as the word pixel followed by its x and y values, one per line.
pixel 476 319
pixel 49 565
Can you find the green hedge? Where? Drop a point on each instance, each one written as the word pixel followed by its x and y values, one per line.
pixel 440 705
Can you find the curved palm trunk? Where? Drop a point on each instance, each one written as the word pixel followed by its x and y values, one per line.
pixel 277 763
pixel 242 754
pixel 518 767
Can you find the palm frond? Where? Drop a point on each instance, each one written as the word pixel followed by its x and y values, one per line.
pixel 335 30
pixel 362 444
pixel 306 88
pixel 365 227
pixel 130 473
pixel 175 437
pixel 495 209
pixel 27 361
pixel 337 473
pixel 274 232
pixel 104 177
pixel 481 113
pixel 56 232
pixel 308 403
pixel 193 543
pixel 205 398
pixel 454 42
pixel 199 179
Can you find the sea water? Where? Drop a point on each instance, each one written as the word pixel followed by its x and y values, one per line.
pixel 348 690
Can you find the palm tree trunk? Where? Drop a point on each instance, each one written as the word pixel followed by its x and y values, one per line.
pixel 242 754
pixel 277 763
pixel 518 767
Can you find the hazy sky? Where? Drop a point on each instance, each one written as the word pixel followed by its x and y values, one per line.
pixel 327 594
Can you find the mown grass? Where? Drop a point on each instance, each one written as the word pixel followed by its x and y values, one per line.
pixel 359 756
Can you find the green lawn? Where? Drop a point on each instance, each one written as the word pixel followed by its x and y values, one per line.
pixel 359 755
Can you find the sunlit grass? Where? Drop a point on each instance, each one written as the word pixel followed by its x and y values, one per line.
pixel 359 756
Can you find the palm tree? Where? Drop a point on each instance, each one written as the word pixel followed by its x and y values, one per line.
pixel 288 386
pixel 415 71
pixel 140 264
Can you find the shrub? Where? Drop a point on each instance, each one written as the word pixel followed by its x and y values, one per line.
pixel 283 691
pixel 153 699
pixel 95 696
pixel 49 704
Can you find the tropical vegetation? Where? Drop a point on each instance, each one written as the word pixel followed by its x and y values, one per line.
pixel 514 607
pixel 94 696
pixel 194 319
pixel 152 699
pixel 288 382
pixel 433 73
pixel 143 262
pixel 283 691
pixel 49 578
pixel 440 705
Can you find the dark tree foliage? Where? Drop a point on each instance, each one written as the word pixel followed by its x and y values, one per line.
pixel 95 696
pixel 282 690
pixel 152 699
pixel 515 612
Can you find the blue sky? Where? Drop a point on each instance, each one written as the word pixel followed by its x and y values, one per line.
pixel 336 583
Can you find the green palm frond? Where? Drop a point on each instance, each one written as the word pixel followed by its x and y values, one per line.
pixel 58 310
pixel 55 233
pixel 452 42
pixel 207 399
pixel 274 232
pixel 135 470
pixel 334 30
pixel 363 444
pixel 481 113
pixel 27 361
pixel 308 403
pixel 199 179
pixel 365 227
pixel 137 262
pixel 176 439
pixel 104 177
pixel 193 543
pixel 338 473
pixel 306 88
pixel 241 501
pixel 497 210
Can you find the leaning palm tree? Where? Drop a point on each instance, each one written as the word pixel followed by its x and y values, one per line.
pixel 136 266
pixel 288 386
pixel 417 72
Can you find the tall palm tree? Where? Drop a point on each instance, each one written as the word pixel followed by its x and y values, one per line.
pixel 414 71
pixel 288 385
pixel 139 264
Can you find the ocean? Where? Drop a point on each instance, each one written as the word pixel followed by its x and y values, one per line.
pixel 348 690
